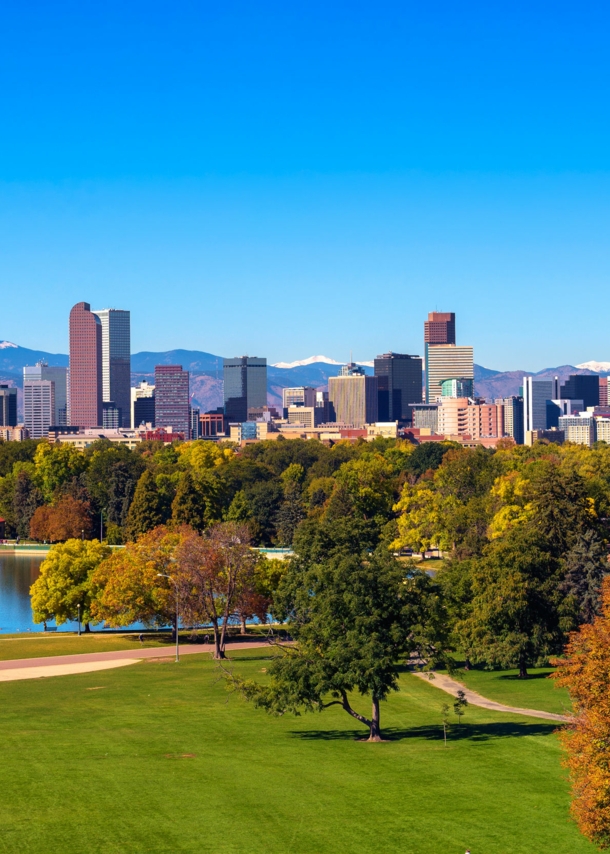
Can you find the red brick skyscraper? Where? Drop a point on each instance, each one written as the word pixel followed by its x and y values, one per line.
pixel 85 367
pixel 439 328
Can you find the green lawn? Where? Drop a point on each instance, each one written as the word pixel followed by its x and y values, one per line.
pixel 504 686
pixel 44 645
pixel 157 757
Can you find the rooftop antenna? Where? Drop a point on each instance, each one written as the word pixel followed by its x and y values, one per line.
pixel 351 353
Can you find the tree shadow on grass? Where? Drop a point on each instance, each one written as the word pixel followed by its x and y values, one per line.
pixel 514 677
pixel 463 732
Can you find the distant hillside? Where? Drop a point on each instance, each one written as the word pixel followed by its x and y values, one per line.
pixel 506 383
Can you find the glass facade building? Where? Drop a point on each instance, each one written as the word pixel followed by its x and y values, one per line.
pixel 41 408
pixel 8 406
pixel 172 404
pixel 399 383
pixel 116 360
pixel 245 386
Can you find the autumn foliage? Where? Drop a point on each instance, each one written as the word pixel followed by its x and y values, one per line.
pixel 585 672
pixel 67 519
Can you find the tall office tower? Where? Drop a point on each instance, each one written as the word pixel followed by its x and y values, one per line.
pixel 513 417
pixel 194 415
pixel 353 397
pixel 8 406
pixel 85 367
pixel 445 362
pixel 172 402
pixel 399 383
pixel 299 396
pixel 440 328
pixel 538 397
pixel 112 416
pixel 245 386
pixel 603 391
pixel 116 360
pixel 143 404
pixel 583 387
pixel 36 413
pixel 38 407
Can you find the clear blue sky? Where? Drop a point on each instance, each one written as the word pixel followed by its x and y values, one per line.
pixel 284 179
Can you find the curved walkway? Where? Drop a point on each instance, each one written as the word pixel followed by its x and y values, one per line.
pixel 446 683
pixel 87 662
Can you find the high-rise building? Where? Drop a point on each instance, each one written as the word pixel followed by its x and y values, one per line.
pixel 38 407
pixel 299 396
pixel 583 387
pixel 85 367
pixel 444 362
pixel 353 397
pixel 603 391
pixel 43 406
pixel 143 404
pixel 440 328
pixel 425 416
pixel 112 416
pixel 245 386
pixel 399 383
pixel 195 414
pixel 8 406
pixel 579 429
pixel 172 402
pixel 513 417
pixel 538 407
pixel 116 360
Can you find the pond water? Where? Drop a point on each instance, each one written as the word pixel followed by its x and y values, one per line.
pixel 17 574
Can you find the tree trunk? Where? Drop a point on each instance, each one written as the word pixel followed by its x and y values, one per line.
pixel 467 664
pixel 375 729
pixel 219 651
pixel 522 667
pixel 87 627
pixel 242 619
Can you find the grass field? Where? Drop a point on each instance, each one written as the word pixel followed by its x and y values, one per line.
pixel 44 645
pixel 157 757
pixel 535 692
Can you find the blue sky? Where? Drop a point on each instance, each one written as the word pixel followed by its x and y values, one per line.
pixel 285 179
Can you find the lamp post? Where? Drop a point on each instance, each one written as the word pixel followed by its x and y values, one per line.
pixel 78 611
pixel 82 534
pixel 101 526
pixel 163 575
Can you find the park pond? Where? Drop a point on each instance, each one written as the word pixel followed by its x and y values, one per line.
pixel 17 574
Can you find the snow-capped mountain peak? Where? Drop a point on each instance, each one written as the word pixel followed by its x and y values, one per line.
pixel 598 367
pixel 310 361
pixel 5 344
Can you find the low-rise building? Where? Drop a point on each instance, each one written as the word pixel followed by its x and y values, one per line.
pixel 579 429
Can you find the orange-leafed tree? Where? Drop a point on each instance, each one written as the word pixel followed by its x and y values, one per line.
pixel 131 585
pixel 216 571
pixel 66 520
pixel 585 672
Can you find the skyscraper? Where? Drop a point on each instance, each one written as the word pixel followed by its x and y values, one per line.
pixel 353 397
pixel 445 362
pixel 43 407
pixel 85 367
pixel 245 386
pixel 538 397
pixel 172 404
pixel 513 417
pixel 8 406
pixel 116 360
pixel 399 383
pixel 583 387
pixel 440 328
pixel 143 404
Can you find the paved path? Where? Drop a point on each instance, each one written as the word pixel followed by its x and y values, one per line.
pixel 60 665
pixel 446 683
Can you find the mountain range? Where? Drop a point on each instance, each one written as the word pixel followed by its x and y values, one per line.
pixel 206 372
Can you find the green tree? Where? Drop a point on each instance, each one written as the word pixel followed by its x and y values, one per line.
pixel 147 507
pixel 55 465
pixel 514 617
pixel 26 500
pixel 240 509
pixel 65 581
pixel 190 507
pixel 585 565
pixel 354 620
